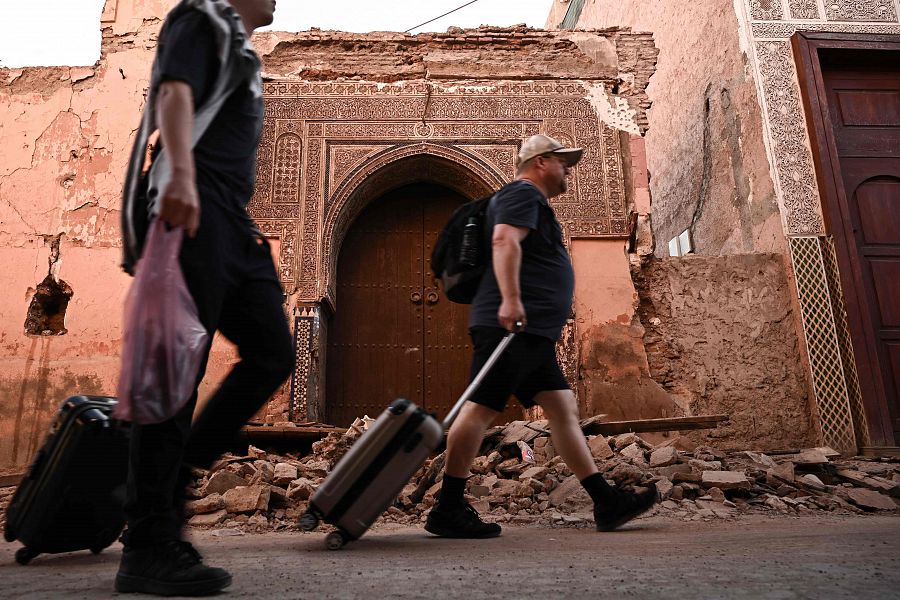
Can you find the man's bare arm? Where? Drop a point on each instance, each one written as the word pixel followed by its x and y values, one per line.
pixel 179 205
pixel 507 258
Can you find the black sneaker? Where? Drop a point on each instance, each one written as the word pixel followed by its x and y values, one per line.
pixel 627 506
pixel 172 568
pixel 460 521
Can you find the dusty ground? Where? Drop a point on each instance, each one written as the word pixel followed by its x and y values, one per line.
pixel 822 556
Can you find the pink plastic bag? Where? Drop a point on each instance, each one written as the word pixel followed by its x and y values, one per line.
pixel 164 340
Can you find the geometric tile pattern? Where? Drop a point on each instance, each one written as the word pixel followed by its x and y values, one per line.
pixel 822 341
pixel 303 346
pixel 860 424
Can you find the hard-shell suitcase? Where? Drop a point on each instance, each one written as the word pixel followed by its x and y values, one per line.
pixel 370 476
pixel 72 496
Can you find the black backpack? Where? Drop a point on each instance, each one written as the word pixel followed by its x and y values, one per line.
pixel 462 252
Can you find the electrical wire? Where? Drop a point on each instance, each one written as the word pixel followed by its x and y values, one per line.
pixel 441 16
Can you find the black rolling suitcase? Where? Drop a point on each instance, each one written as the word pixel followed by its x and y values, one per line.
pixel 370 476
pixel 71 498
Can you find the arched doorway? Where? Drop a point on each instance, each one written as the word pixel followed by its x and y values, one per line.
pixel 394 334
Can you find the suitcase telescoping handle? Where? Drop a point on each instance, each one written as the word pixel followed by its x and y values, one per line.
pixel 491 361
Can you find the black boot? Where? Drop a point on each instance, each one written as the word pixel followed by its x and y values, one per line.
pixel 625 507
pixel 171 568
pixel 459 521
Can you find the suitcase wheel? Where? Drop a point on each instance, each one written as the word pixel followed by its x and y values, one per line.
pixel 335 540
pixel 97 549
pixel 24 555
pixel 308 521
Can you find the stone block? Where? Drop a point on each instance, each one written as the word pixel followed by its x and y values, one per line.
pixel 813 482
pixel 211 503
pixel 725 480
pixel 705 465
pixel 599 446
pixel 570 492
pixel 284 474
pixel 635 453
pixel 663 457
pixel 671 470
pixel 277 496
pixel 222 481
pixel 479 490
pixel 265 472
pixel 624 439
pixel 245 470
pixel 247 499
pixel 716 494
pixel 504 488
pixel 316 468
pixel 870 499
pixel 534 473
pixel 208 520
pixel 813 456
pixel 664 487
pixel 780 474
pixel 300 489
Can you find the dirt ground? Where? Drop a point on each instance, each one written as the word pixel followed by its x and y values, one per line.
pixel 752 557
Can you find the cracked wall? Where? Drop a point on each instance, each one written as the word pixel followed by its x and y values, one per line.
pixel 721 337
pixel 66 134
pixel 705 150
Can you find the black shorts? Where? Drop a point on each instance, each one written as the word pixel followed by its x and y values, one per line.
pixel 527 368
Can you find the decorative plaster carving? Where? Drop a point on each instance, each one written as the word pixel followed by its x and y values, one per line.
pixel 343 159
pixel 790 143
pixel 286 232
pixel 861 10
pixel 304 344
pixel 785 30
pixel 472 135
pixel 502 158
pixel 311 220
pixel 286 171
pixel 804 9
pixel 766 10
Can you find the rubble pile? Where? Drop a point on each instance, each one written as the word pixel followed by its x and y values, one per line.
pixel 519 478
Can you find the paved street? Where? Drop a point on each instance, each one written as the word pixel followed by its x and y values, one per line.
pixel 754 557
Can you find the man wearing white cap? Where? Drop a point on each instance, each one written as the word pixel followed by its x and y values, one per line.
pixel 531 282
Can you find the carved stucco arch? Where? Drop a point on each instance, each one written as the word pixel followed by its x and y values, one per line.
pixel 443 164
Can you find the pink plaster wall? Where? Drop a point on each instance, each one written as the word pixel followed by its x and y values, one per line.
pixel 614 374
pixel 705 150
pixel 66 133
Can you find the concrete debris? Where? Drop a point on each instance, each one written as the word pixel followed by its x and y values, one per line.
pixel 211 503
pixel 267 492
pixel 247 499
pixel 725 480
pixel 870 500
pixel 663 457
pixel 222 481
pixel 598 444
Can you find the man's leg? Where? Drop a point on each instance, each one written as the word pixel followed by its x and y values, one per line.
pixel 565 431
pixel 452 516
pixel 465 437
pixel 612 507
pixel 155 559
pixel 253 319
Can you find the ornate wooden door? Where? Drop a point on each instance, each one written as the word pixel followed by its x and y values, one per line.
pixel 863 98
pixel 394 334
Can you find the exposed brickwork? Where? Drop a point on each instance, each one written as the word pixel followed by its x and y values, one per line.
pixel 721 334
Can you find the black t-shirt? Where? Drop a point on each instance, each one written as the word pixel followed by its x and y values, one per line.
pixel 546 279
pixel 225 157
